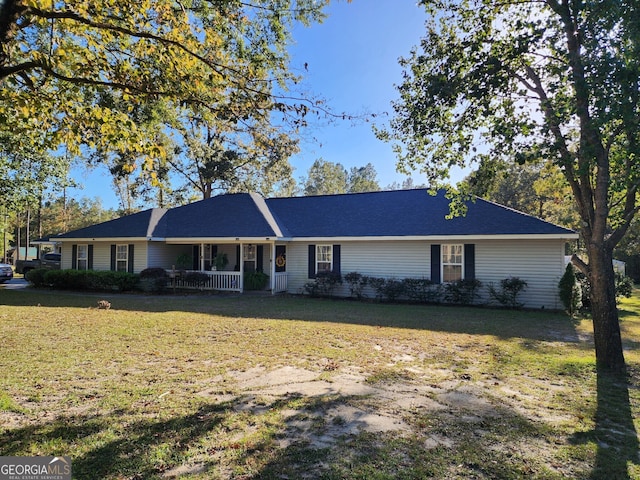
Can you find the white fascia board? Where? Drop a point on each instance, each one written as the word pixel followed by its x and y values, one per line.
pixel 103 239
pixel 44 242
pixel 218 240
pixel 439 238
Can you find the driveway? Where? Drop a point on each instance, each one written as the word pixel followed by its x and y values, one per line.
pixel 14 284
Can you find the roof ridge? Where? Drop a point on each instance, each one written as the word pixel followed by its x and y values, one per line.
pixel 157 214
pixel 267 214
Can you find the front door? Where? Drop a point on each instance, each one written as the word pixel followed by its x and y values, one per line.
pixel 281 258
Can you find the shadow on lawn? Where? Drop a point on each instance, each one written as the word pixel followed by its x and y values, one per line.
pixel 503 323
pixel 208 443
pixel 115 453
pixel 614 433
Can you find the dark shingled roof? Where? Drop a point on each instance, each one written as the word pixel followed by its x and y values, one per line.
pixel 224 216
pixel 392 213
pixel 137 225
pixel 400 213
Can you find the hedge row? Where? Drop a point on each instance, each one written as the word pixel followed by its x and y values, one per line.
pixel 151 280
pixel 83 280
pixel 417 290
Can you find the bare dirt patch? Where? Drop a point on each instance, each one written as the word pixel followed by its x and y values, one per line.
pixel 341 403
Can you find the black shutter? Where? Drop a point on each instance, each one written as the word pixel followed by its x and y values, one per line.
pixel 469 261
pixel 336 259
pixel 130 259
pixel 196 258
pixel 238 259
pixel 259 258
pixel 214 251
pixel 435 264
pixel 90 257
pixel 113 258
pixel 312 261
pixel 281 252
pixel 74 257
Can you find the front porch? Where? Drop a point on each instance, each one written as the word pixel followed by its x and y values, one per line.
pixel 228 267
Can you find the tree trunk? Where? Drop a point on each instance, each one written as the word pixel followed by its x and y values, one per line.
pixel 606 326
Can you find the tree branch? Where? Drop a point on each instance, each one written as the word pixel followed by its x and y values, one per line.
pixel 581 190
pixel 69 15
pixel 579 263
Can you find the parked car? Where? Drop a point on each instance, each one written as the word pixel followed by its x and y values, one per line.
pixel 48 260
pixel 6 272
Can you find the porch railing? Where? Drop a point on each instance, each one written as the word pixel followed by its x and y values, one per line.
pixel 228 281
pixel 224 281
pixel 280 282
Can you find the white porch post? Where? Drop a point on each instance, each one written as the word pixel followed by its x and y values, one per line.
pixel 241 261
pixel 272 266
pixel 202 257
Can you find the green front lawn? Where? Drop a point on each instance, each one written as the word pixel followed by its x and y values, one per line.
pixel 283 387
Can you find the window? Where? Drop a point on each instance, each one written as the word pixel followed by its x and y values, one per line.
pixel 452 263
pixel 324 260
pixel 122 258
pixel 249 258
pixel 210 252
pixel 82 260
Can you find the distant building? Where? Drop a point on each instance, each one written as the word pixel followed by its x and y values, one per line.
pixel 24 254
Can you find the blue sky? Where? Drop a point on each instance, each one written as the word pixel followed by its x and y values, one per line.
pixel 352 60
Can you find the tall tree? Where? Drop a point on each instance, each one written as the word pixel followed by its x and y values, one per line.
pixel 225 156
pixel 407 184
pixel 556 79
pixel 325 178
pixel 65 214
pixel 27 174
pixel 328 178
pixel 81 70
pixel 363 179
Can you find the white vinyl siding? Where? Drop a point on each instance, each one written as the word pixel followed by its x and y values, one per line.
pixel 139 256
pixel 65 261
pixel 539 262
pixel 102 256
